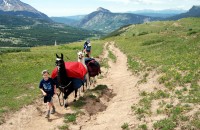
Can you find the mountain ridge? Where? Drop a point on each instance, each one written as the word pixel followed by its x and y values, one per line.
pixel 106 21
pixel 18 8
pixel 193 12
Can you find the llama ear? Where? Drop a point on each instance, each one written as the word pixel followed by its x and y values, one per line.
pixel 62 56
pixel 57 56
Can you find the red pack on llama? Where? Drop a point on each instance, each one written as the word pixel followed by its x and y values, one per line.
pixel 73 70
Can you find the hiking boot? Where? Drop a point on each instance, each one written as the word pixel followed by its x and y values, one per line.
pixel 53 110
pixel 48 114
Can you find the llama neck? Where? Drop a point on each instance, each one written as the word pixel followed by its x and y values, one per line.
pixel 62 75
pixel 82 60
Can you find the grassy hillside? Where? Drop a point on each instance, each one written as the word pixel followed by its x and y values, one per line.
pixel 20 72
pixel 173 49
pixel 23 32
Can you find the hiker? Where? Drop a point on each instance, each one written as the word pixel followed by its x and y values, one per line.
pixel 48 89
pixel 87 47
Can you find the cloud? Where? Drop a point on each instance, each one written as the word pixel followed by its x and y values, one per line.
pixel 137 1
pixel 148 1
pixel 151 2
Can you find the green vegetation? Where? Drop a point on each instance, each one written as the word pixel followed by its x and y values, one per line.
pixel 125 126
pixel 100 87
pixel 165 124
pixel 70 117
pixel 63 127
pixel 20 72
pixel 104 63
pixel 172 49
pixel 28 32
pixel 14 49
pixel 79 103
pixel 112 56
pixel 143 127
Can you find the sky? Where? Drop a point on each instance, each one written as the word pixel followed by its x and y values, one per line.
pixel 79 7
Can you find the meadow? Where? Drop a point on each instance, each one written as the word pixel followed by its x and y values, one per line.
pixel 20 72
pixel 171 48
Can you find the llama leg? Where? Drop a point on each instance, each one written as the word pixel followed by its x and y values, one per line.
pixel 79 92
pixel 76 91
pixel 83 88
pixel 90 81
pixel 67 93
pixel 87 80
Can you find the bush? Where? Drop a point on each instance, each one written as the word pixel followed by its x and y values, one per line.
pixel 191 32
pixel 151 42
pixel 143 33
pixel 165 124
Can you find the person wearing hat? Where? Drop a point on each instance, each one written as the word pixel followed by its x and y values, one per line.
pixel 87 48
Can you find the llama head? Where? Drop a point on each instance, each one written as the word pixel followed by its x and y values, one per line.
pixel 59 60
pixel 80 54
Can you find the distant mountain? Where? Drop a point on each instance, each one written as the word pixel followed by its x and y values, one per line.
pixel 76 17
pixel 159 13
pixel 64 20
pixel 105 21
pixel 193 12
pixel 18 8
pixel 69 20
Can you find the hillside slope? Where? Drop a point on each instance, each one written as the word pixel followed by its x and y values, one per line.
pixel 167 52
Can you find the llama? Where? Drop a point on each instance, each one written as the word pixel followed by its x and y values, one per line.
pixel 92 66
pixel 81 58
pixel 66 84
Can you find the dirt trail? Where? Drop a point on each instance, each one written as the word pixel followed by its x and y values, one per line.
pixel 32 117
pixel 118 112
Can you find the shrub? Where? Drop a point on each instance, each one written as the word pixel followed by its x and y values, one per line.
pixel 151 42
pixel 143 33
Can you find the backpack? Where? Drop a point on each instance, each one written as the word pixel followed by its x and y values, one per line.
pixel 93 67
pixel 88 48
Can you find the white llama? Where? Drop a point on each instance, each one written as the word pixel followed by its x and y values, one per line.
pixel 81 58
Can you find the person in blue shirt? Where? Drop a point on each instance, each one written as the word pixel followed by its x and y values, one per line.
pixel 48 89
pixel 87 48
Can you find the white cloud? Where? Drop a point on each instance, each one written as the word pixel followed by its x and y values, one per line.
pixel 147 1
pixel 137 1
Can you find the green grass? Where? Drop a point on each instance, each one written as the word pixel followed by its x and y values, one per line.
pixel 195 122
pixel 173 51
pixel 70 117
pixel 104 63
pixel 143 127
pixel 165 124
pixel 20 72
pixel 14 49
pixel 63 127
pixel 79 103
pixel 100 87
pixel 125 126
pixel 112 56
